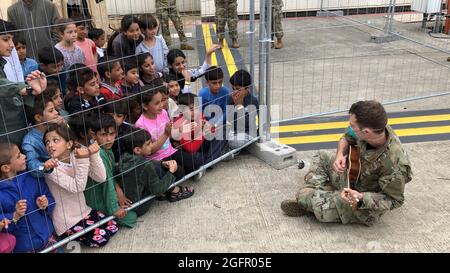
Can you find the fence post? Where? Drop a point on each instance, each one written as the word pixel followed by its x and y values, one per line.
pixel 252 38
pixel 262 59
pixel 268 68
pixel 388 34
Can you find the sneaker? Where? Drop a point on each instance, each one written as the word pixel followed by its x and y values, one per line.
pixel 292 209
pixel 186 47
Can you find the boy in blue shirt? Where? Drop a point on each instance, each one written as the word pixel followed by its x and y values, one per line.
pixel 214 94
pixel 28 65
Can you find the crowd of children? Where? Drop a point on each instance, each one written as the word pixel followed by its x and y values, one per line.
pixel 91 131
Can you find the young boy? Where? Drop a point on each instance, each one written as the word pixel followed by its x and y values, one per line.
pixel 13 96
pixel 87 91
pixel 245 108
pixel 130 83
pixel 98 36
pixel 25 200
pixel 28 65
pixel 53 93
pixel 139 178
pixel 154 44
pixel 42 114
pixel 111 73
pixel 119 111
pixel 216 95
pixel 107 197
pixel 87 45
pixel 51 62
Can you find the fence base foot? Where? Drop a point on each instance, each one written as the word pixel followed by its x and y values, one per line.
pixel 384 38
pixel 329 13
pixel 277 155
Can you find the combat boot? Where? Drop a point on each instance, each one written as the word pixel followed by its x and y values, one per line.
pixel 221 42
pixel 279 44
pixel 186 47
pixel 235 43
pixel 292 209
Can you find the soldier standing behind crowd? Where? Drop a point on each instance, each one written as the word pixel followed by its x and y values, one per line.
pixel 226 13
pixel 166 9
pixel 277 27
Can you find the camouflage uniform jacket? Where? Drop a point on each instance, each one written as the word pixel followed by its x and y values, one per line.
pixel 384 172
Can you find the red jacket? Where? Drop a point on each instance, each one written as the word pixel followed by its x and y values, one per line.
pixel 193 140
pixel 109 94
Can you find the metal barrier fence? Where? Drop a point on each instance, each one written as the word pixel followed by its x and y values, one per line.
pixel 339 59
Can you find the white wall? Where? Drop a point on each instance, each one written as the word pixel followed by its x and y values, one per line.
pixel 208 8
pixel 4 4
pixel 121 7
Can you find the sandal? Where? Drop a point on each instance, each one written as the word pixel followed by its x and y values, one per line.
pixel 183 193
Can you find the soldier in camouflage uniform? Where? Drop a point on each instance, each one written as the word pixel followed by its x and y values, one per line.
pixel 226 13
pixel 166 9
pixel 277 27
pixel 385 168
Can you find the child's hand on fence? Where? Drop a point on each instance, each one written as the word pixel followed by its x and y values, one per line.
pixel 94 148
pixel 21 208
pixel 120 213
pixel 171 165
pixel 50 164
pixel 4 223
pixel 186 74
pixel 37 81
pixel 42 202
pixel 168 129
pixel 81 153
pixel 124 202
pixel 213 48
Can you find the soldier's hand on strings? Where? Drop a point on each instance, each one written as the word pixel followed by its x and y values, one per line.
pixel 340 163
pixel 351 196
pixel 42 202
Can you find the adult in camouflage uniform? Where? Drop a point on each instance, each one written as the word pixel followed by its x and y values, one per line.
pixel 277 27
pixel 165 10
pixel 226 13
pixel 385 168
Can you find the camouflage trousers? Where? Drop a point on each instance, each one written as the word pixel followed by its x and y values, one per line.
pixel 226 13
pixel 277 14
pixel 321 195
pixel 165 10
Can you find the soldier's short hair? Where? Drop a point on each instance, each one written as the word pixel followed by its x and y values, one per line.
pixel 369 114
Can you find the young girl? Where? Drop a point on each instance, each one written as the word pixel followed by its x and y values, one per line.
pixel 68 33
pixel 153 44
pixel 68 181
pixel 25 201
pixel 177 66
pixel 147 69
pixel 124 44
pixel 155 120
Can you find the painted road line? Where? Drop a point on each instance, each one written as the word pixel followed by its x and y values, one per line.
pixel 335 137
pixel 228 56
pixel 344 124
pixel 208 42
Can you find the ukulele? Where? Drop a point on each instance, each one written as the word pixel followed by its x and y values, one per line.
pixel 354 170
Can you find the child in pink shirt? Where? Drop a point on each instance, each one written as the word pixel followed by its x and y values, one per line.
pixel 155 120
pixel 87 45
